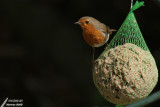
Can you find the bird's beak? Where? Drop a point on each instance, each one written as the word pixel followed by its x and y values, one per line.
pixel 77 23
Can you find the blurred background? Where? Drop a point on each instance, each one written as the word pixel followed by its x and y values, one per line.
pixel 43 57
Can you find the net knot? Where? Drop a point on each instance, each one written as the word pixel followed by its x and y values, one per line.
pixel 137 5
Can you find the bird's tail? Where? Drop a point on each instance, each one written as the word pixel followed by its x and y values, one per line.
pixel 113 30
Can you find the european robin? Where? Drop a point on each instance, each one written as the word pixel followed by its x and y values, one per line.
pixel 95 33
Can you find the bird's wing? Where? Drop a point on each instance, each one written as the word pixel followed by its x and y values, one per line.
pixel 105 29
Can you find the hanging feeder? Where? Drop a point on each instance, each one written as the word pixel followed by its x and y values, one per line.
pixel 126 71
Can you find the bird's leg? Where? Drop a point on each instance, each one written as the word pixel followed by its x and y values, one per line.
pixel 93 59
pixel 93 55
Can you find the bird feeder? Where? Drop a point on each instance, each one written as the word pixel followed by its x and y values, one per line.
pixel 126 71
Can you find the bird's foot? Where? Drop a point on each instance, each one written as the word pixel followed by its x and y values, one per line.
pixel 106 46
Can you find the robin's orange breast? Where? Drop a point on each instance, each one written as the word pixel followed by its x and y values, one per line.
pixel 94 37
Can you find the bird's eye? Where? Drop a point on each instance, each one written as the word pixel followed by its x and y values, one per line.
pixel 87 22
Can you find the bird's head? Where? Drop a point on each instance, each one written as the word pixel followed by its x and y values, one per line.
pixel 87 22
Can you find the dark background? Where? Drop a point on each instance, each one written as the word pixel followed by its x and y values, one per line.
pixel 43 57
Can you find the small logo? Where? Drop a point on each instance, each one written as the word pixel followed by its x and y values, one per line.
pixel 4 102
pixel 12 103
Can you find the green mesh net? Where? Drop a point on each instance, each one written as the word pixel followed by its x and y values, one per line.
pixel 126 71
pixel 129 31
